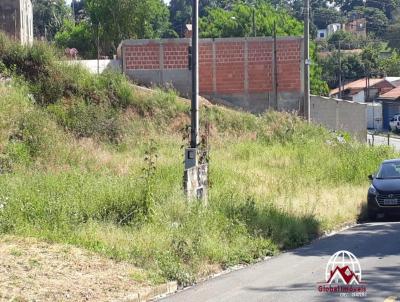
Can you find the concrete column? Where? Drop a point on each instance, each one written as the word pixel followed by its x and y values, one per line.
pixel 273 102
pixel 337 116
pixel 123 55
pixel 161 60
pixel 246 68
pixel 214 68
pixel 302 65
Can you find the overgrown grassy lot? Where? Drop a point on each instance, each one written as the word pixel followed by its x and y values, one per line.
pixel 91 161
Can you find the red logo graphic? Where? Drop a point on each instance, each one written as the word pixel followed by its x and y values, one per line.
pixel 343 276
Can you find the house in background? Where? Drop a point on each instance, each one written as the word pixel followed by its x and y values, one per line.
pixel 332 28
pixel 16 19
pixel 366 90
pixel 390 105
pixel 322 34
pixel 357 27
pixel 188 31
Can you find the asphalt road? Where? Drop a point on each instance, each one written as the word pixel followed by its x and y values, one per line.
pixel 382 140
pixel 293 276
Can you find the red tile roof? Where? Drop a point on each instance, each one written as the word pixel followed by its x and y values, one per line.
pixel 392 94
pixel 359 84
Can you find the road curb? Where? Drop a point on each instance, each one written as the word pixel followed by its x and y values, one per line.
pixel 153 293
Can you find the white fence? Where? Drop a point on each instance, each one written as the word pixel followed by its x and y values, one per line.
pixel 98 66
pixel 338 114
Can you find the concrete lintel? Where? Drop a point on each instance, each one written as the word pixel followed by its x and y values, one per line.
pixel 207 40
pixel 154 41
pixel 252 39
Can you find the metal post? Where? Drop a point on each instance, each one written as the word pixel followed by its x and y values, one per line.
pixel 194 140
pixel 98 48
pixel 73 11
pixel 195 179
pixel 307 60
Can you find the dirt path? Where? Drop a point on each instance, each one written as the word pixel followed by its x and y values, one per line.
pixel 32 270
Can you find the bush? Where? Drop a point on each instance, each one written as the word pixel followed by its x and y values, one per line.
pixel 88 120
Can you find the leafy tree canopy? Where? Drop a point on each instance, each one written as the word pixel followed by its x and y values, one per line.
pixel 238 22
pixel 393 35
pixel 48 17
pixel 377 22
pixel 125 19
pixel 77 36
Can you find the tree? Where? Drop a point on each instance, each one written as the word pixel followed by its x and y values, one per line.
pixel 180 15
pixel 181 11
pixel 238 22
pixel 388 7
pixel 79 11
pixel 77 36
pixel 391 66
pixel 48 17
pixel 377 22
pixel 393 35
pixel 115 21
pixel 324 16
pixel 371 60
pixel 345 39
pixel 352 68
pixel 349 5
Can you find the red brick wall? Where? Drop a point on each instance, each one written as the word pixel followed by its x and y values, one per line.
pixel 206 68
pixel 289 57
pixel 229 74
pixel 230 67
pixel 143 56
pixel 176 55
pixel 260 66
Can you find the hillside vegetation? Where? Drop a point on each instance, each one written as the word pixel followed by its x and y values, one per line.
pixel 91 161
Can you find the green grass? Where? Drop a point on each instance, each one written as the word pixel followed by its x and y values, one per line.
pixel 73 169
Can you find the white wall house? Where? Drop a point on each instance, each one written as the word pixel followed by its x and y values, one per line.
pixel 374 116
pixel 322 34
pixel 332 28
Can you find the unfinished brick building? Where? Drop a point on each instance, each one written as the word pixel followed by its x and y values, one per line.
pixel 251 73
pixel 16 19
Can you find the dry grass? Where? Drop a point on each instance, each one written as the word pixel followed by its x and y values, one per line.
pixel 33 270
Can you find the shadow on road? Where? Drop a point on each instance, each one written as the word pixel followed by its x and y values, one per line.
pixel 364 240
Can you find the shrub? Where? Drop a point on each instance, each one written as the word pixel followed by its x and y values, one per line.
pixel 88 120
